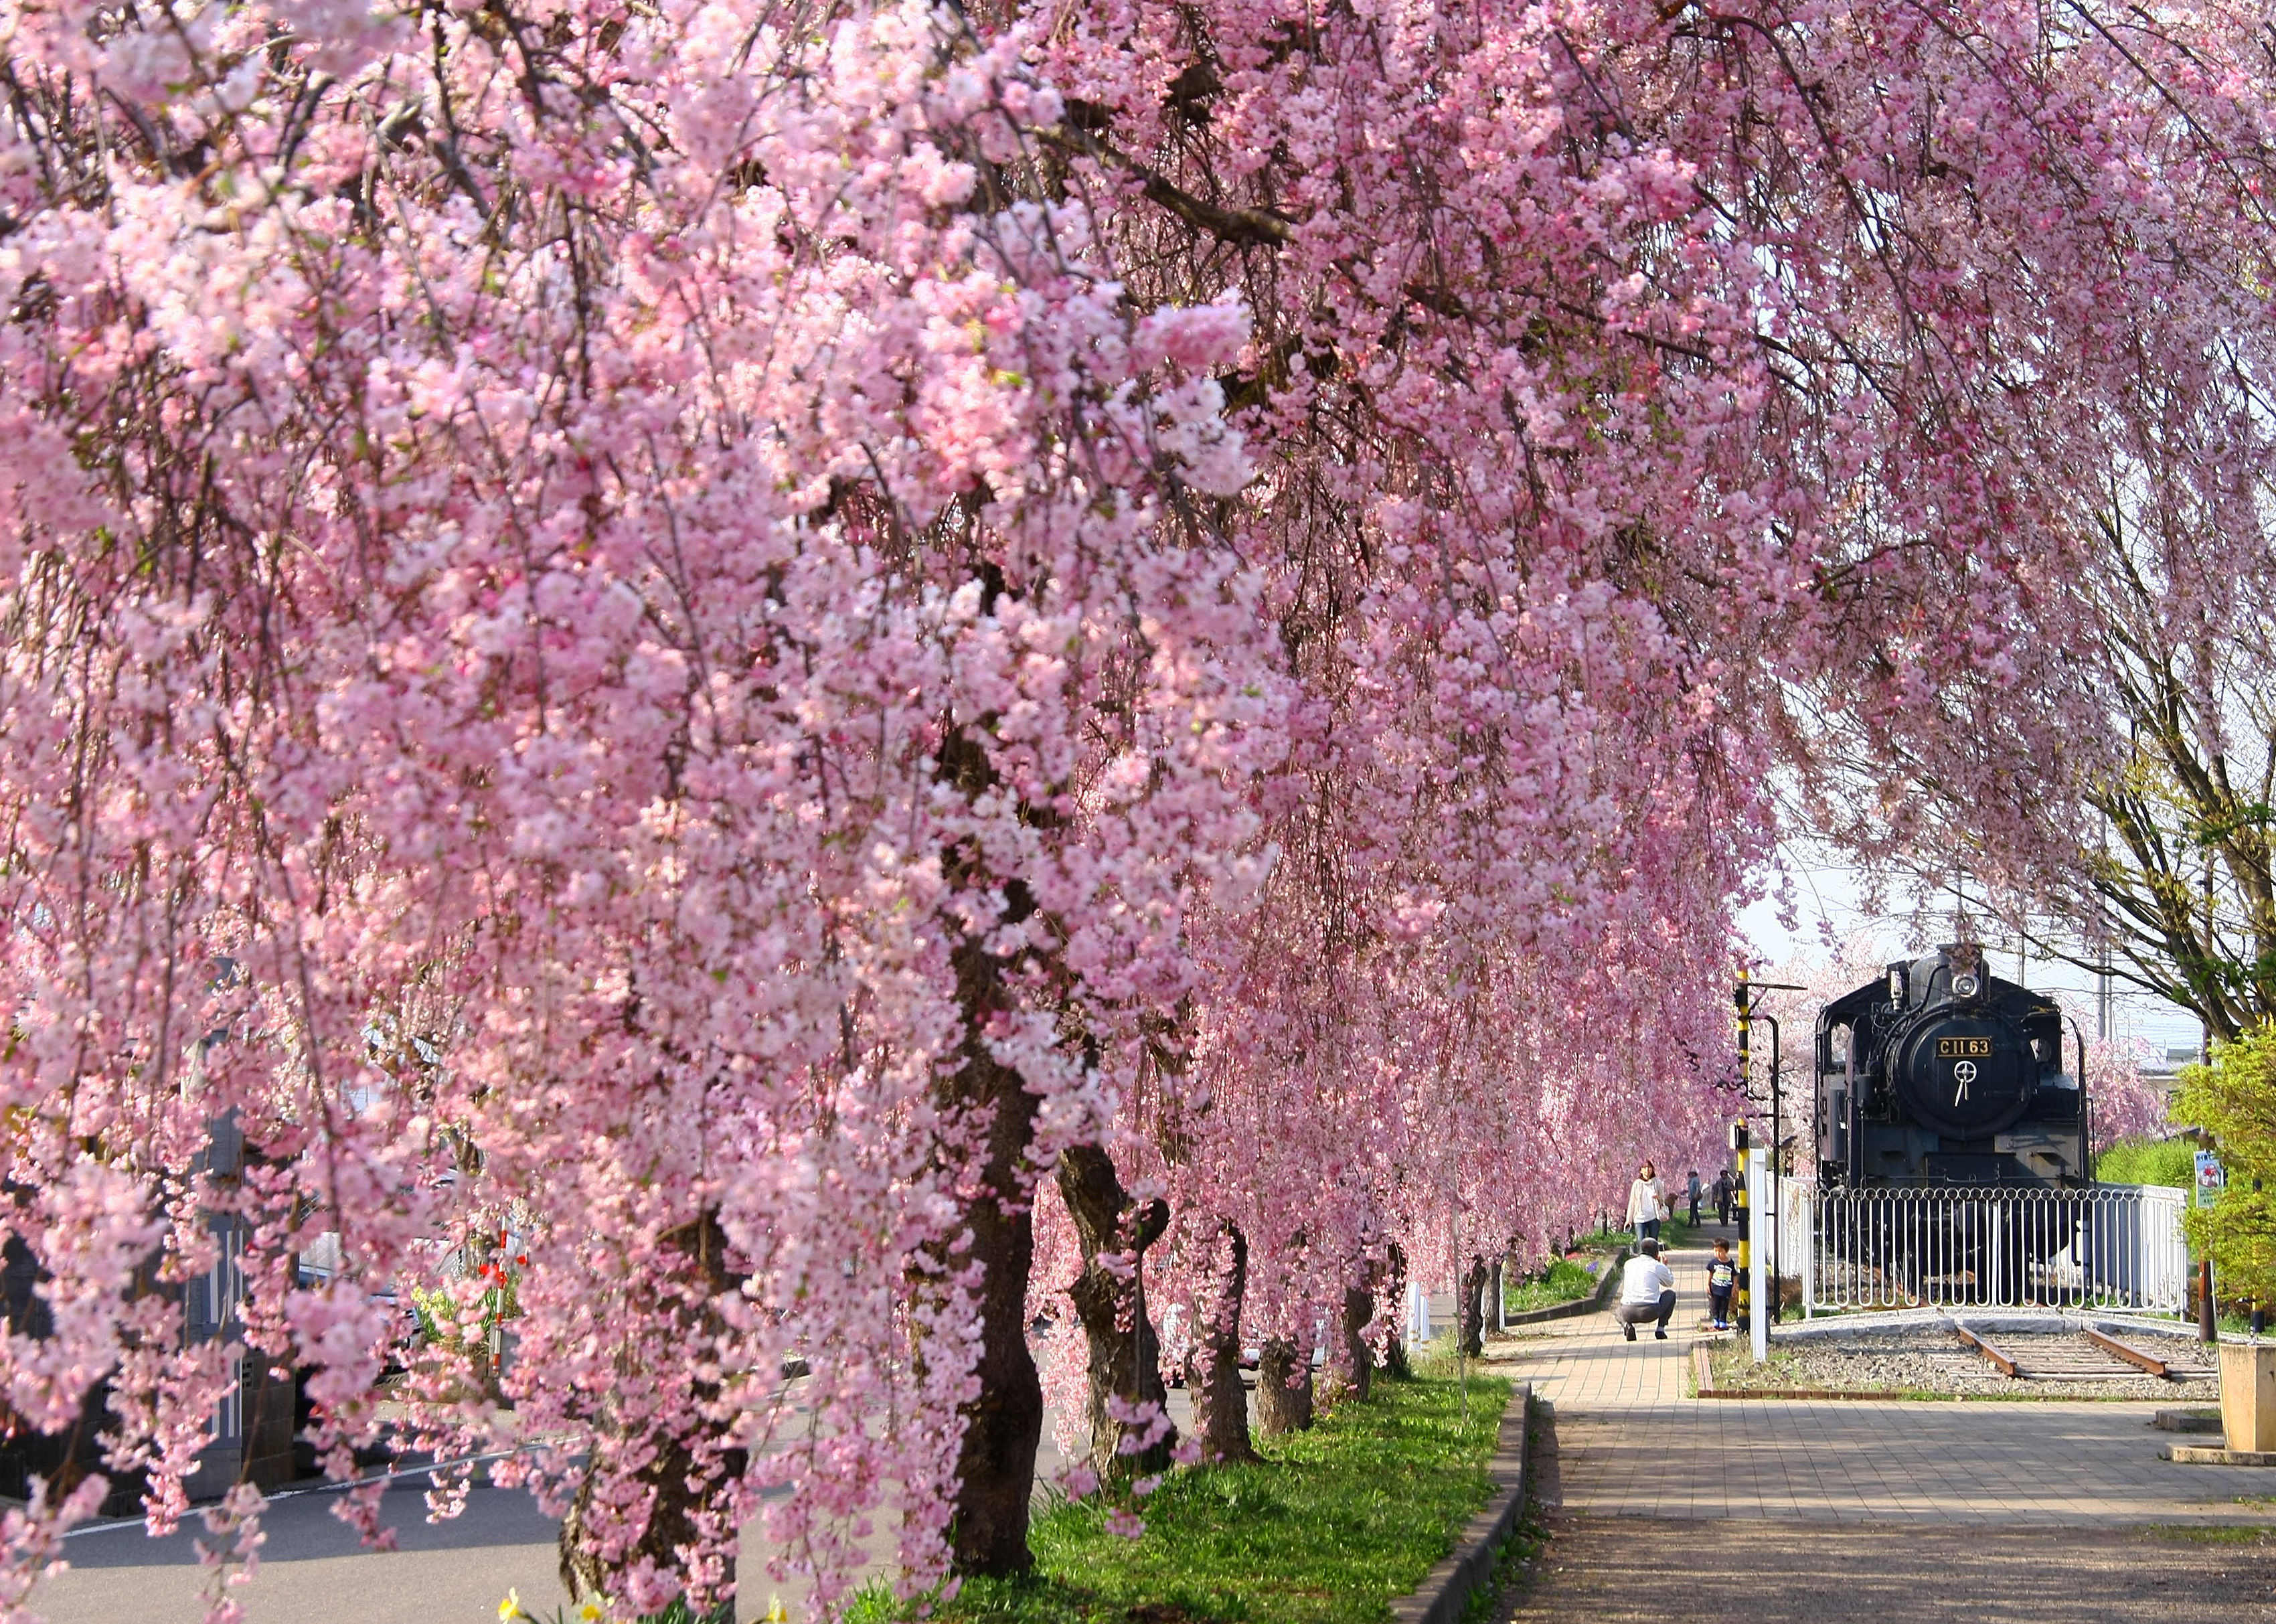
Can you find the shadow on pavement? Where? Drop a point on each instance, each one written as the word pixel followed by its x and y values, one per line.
pixel 1610 1570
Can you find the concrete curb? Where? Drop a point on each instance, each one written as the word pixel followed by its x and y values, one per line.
pixel 1579 1305
pixel 1820 1393
pixel 1447 1588
pixel 2184 1455
pixel 2190 1418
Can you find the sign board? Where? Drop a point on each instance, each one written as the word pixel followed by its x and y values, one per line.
pixel 2210 1179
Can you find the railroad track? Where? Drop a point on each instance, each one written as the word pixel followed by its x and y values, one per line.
pixel 2089 1356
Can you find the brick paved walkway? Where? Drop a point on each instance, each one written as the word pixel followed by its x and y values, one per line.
pixel 1628 1443
pixel 1633 1570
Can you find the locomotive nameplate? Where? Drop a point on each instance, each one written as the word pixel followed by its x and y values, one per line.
pixel 1950 1048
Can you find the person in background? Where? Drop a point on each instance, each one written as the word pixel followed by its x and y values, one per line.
pixel 1723 1196
pixel 1694 1193
pixel 1722 1280
pixel 1647 1292
pixel 1646 1203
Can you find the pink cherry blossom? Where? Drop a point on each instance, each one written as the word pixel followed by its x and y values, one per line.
pixel 724 639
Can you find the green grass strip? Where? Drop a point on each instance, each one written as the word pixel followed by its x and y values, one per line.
pixel 1335 1524
pixel 1563 1282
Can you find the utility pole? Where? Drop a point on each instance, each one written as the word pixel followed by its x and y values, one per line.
pixel 1743 996
pixel 2104 1015
pixel 2205 1025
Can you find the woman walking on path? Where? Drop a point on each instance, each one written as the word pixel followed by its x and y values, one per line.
pixel 1646 1203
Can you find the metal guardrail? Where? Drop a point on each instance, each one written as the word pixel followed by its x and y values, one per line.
pixel 2107 1246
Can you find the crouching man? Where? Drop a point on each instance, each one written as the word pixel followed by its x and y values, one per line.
pixel 1647 1292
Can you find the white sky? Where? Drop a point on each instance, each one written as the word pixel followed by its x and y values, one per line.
pixel 1828 893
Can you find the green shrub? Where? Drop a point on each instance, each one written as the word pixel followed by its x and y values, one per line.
pixel 2147 1161
pixel 2234 1100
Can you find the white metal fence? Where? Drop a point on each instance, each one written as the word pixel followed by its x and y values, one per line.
pixel 2111 1245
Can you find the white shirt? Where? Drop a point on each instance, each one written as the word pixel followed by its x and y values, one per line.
pixel 1643 1279
pixel 1647 1201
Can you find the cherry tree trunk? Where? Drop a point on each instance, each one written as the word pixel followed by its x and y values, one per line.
pixel 682 1481
pixel 1472 1313
pixel 1004 1421
pixel 1394 1333
pixel 1109 1299
pixel 1220 1400
pixel 690 1468
pixel 1284 1387
pixel 1359 1307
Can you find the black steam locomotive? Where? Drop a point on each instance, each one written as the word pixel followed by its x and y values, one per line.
pixel 1943 1075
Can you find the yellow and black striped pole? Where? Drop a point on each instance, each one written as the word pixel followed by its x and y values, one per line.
pixel 1742 1292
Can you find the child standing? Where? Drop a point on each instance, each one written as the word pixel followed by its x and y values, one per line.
pixel 1722 1280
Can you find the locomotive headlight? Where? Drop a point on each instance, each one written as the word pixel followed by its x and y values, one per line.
pixel 1965 986
pixel 1896 985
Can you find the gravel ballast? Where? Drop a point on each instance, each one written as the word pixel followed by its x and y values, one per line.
pixel 2056 1365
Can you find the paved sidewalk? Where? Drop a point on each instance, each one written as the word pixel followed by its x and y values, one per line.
pixel 1629 1570
pixel 1628 1443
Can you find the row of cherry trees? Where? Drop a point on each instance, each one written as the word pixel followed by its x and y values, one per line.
pixel 881 668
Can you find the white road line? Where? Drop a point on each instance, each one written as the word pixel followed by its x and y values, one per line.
pixel 326 1487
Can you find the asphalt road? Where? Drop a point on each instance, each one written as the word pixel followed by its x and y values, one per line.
pixel 313 1567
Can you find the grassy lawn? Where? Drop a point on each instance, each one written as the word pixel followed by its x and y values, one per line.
pixel 1335 1524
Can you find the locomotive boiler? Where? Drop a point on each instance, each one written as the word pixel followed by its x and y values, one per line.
pixel 1942 1074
